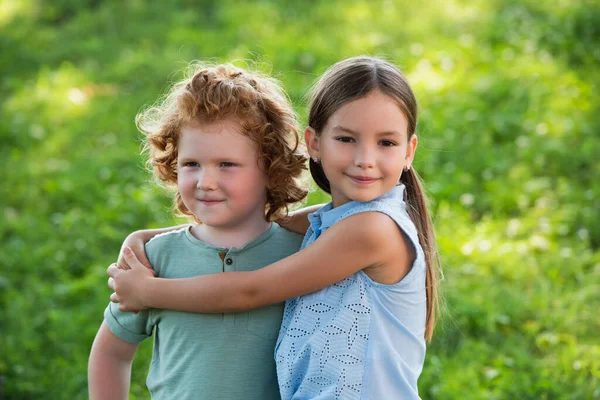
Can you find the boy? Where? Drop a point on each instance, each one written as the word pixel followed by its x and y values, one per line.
pixel 226 141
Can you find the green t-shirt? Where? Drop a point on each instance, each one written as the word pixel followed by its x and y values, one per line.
pixel 209 356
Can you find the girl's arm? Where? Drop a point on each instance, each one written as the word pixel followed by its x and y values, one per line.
pixel 366 240
pixel 136 242
pixel 109 367
pixel 297 221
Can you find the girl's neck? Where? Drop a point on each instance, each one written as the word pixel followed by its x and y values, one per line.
pixel 336 202
pixel 234 236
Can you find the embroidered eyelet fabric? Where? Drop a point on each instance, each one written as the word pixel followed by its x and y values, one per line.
pixel 356 339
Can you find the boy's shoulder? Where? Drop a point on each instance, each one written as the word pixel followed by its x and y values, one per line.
pixel 274 245
pixel 284 236
pixel 165 247
pixel 167 240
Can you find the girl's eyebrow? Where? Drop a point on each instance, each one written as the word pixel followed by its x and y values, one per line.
pixel 339 128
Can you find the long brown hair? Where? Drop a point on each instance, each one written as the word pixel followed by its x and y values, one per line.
pixel 349 80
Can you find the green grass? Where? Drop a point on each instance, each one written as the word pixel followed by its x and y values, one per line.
pixel 509 145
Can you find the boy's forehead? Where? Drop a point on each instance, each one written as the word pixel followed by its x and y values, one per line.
pixel 218 126
pixel 216 139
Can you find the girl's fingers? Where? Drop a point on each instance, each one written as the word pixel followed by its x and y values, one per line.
pixel 111 283
pixel 115 299
pixel 134 262
pixel 123 265
pixel 130 257
pixel 115 269
pixel 112 270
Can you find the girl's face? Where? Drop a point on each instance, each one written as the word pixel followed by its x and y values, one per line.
pixel 219 176
pixel 363 148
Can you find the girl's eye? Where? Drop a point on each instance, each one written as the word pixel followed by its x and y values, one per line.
pixel 387 143
pixel 345 139
pixel 227 164
pixel 191 164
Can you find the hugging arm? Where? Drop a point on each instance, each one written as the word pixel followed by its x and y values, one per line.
pixel 109 367
pixel 296 221
pixel 350 245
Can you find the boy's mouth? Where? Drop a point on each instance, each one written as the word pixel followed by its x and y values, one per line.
pixel 210 202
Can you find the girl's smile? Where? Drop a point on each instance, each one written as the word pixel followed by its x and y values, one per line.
pixel 362 180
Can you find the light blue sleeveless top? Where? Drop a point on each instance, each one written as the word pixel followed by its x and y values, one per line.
pixel 356 339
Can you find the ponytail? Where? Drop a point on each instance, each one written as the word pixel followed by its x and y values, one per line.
pixel 316 170
pixel 416 204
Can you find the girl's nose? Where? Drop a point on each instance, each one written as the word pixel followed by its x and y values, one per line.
pixel 364 157
pixel 207 181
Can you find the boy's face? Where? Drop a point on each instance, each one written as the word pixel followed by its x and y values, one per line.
pixel 219 176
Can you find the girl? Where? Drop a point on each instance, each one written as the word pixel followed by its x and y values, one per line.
pixel 363 288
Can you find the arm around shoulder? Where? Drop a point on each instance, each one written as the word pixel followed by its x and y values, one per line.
pixel 350 245
pixel 359 242
pixel 109 367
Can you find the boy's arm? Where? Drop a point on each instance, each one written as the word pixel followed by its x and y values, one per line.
pixel 297 221
pixel 136 241
pixel 109 367
pixel 364 241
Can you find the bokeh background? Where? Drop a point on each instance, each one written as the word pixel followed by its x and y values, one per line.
pixel 509 150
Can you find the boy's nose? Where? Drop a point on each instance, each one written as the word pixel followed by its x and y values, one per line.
pixel 206 182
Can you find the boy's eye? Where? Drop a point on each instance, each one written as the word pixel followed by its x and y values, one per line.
pixel 345 139
pixel 387 143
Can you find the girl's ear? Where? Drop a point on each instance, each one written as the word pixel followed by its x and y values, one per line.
pixel 410 150
pixel 312 142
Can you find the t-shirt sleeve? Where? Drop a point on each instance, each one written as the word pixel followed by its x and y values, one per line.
pixel 130 327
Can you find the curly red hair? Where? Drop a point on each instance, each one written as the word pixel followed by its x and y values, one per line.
pixel 222 92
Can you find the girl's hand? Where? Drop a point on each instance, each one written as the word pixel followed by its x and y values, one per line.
pixel 136 242
pixel 129 285
pixel 297 221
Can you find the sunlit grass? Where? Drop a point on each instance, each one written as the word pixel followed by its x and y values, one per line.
pixel 10 9
pixel 508 149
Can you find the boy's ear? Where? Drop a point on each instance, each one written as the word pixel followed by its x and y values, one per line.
pixel 312 142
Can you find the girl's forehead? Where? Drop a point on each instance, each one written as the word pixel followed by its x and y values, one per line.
pixel 375 112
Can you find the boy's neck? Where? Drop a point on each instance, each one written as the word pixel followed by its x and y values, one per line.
pixel 228 237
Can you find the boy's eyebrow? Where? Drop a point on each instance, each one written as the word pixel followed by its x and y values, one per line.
pixel 353 132
pixel 215 160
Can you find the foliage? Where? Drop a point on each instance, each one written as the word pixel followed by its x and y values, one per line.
pixel 508 148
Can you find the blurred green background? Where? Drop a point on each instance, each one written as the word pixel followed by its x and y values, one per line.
pixel 509 150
